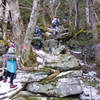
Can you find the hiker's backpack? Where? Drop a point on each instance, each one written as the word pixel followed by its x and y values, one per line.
pixel 55 22
pixel 37 32
pixel 11 54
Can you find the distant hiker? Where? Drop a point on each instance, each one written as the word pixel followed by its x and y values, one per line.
pixel 37 32
pixel 37 38
pixel 52 1
pixel 55 24
pixel 11 64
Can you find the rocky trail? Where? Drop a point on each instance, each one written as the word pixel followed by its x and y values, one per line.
pixel 6 92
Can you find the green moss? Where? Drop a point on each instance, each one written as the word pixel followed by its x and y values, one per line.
pixel 31 61
pixel 97 62
pixel 43 28
pixel 98 25
pixel 79 32
pixel 3 42
pixel 51 77
pixel 46 70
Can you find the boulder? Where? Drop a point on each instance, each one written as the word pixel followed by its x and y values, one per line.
pixel 26 77
pixel 72 73
pixel 59 61
pixel 68 86
pixel 61 88
pixel 49 44
pixel 61 50
pixel 63 62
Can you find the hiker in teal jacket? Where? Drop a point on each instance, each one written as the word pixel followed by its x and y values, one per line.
pixel 11 64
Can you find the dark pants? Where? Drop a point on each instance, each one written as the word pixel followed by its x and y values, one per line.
pixel 11 75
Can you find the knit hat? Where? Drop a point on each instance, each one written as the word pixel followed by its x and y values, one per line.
pixel 11 50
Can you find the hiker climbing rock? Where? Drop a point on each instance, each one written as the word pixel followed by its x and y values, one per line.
pixel 11 64
pixel 37 32
pixel 37 38
pixel 55 24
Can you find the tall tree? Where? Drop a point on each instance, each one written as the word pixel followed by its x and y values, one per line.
pixel 6 17
pixel 23 40
pixel 77 14
pixel 29 31
pixel 87 13
pixel 17 24
pixel 1 10
pixel 95 34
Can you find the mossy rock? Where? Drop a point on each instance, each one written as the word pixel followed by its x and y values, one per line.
pixel 98 25
pixel 32 60
pixel 3 42
pixel 79 32
pixel 43 29
pixel 97 62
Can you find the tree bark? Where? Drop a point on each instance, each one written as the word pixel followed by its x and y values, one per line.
pixel 95 34
pixel 17 25
pixel 77 15
pixel 96 17
pixel 1 10
pixel 30 29
pixel 57 8
pixel 87 12
pixel 6 17
pixel 52 11
pixel 43 14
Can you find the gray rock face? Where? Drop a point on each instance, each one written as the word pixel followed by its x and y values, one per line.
pixel 49 44
pixel 62 88
pixel 25 77
pixel 72 73
pixel 64 62
pixel 68 86
pixel 39 88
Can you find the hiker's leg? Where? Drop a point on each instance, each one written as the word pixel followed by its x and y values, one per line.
pixel 7 74
pixel 11 78
pixel 56 30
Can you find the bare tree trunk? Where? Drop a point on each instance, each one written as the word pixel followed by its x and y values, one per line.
pixel 87 12
pixel 43 18
pixel 95 34
pixel 52 11
pixel 17 25
pixel 70 10
pixel 6 17
pixel 77 15
pixel 29 32
pixel 96 17
pixel 57 8
pixel 1 10
pixel 43 14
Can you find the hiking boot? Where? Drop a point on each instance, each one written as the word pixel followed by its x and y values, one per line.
pixel 13 86
pixel 5 81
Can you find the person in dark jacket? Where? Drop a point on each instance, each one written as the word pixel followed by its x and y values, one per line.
pixel 37 37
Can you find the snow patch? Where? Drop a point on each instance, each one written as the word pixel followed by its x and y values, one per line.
pixel 90 93
pixel 6 91
pixel 76 52
pixel 39 59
